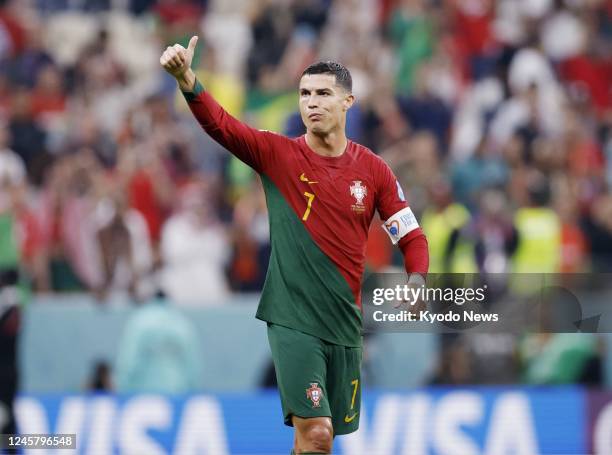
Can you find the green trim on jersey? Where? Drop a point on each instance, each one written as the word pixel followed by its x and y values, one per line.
pixel 304 289
pixel 197 89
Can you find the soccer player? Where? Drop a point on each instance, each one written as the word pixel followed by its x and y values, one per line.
pixel 322 191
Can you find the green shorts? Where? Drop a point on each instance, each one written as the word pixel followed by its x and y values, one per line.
pixel 316 378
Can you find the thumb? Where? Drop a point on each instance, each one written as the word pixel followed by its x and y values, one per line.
pixel 192 43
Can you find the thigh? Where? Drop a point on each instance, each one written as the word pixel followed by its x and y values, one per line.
pixel 344 383
pixel 301 372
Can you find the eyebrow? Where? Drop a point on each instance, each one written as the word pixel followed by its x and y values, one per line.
pixel 318 90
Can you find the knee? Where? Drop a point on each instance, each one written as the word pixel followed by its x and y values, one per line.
pixel 320 437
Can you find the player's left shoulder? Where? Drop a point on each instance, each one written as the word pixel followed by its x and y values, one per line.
pixel 365 155
pixel 377 167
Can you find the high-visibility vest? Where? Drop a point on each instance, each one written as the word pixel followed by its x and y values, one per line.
pixel 539 236
pixel 438 227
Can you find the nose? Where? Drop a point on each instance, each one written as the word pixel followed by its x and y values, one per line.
pixel 312 102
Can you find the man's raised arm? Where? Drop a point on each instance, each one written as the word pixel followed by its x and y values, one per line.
pixel 250 145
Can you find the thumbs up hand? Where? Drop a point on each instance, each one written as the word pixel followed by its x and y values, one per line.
pixel 176 60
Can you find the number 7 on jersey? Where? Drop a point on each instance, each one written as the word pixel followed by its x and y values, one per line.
pixel 310 198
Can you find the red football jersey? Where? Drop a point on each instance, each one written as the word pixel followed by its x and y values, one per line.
pixel 317 205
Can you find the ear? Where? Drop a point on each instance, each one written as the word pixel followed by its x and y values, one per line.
pixel 348 101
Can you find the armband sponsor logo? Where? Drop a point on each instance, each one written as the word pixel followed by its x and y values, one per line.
pixel 393 228
pixel 400 224
pixel 408 219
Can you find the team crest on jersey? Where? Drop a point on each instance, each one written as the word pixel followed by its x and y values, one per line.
pixel 314 394
pixel 359 192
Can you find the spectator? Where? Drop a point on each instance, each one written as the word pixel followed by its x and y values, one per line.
pixel 539 231
pixel 561 358
pixel 125 250
pixel 101 378
pixel 251 241
pixel 159 352
pixel 12 168
pixel 574 244
pixel 195 251
pixel 10 323
pixel 453 366
pixel 27 137
pixel 426 109
pixel 598 229
pixel 12 28
pixel 67 220
pixel 33 58
pixel 494 235
pixel 30 242
pixel 480 171
pixel 48 99
pixel 451 250
pixel 411 31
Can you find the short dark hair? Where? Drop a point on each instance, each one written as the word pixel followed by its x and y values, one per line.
pixel 343 76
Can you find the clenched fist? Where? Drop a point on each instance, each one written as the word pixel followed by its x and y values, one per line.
pixel 416 282
pixel 176 60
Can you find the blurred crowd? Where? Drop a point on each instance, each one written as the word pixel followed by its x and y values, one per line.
pixel 496 116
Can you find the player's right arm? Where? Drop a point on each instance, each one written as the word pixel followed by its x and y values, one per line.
pixel 249 144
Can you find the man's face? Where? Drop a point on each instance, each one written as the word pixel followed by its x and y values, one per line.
pixel 323 103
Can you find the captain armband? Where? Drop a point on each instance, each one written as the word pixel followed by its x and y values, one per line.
pixel 400 224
